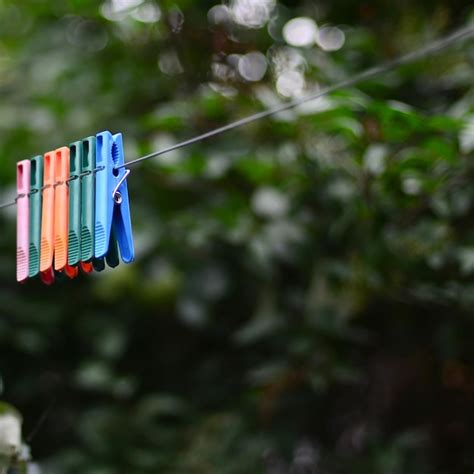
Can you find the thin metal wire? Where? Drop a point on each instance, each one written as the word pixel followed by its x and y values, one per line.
pixel 9 203
pixel 54 185
pixel 421 53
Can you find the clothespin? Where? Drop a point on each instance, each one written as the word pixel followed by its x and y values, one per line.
pixel 61 209
pixel 87 203
pixel 74 243
pixel 47 219
pixel 61 214
pixel 112 211
pixel 35 214
pixel 23 220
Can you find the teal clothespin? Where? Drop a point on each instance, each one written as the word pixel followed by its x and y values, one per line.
pixel 35 215
pixel 74 247
pixel 87 199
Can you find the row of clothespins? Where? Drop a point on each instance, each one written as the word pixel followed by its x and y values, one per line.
pixel 73 210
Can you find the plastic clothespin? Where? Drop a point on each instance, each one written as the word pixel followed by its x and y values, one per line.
pixel 35 214
pixel 47 219
pixel 61 214
pixel 23 220
pixel 87 204
pixel 112 211
pixel 74 244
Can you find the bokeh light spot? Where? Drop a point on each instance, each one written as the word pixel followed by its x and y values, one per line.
pixel 147 13
pixel 170 64
pixel 300 32
pixel 176 19
pixel 290 84
pixel 219 14
pixel 330 38
pixel 117 10
pixel 252 13
pixel 270 202
pixel 253 66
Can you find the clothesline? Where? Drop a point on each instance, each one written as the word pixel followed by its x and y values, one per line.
pixel 421 53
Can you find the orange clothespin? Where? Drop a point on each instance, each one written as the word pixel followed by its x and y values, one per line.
pixel 47 219
pixel 61 214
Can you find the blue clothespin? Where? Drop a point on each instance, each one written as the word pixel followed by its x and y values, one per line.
pixel 112 206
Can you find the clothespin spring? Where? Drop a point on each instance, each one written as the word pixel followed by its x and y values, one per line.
pixel 117 197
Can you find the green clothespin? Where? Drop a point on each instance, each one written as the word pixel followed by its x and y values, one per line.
pixel 74 247
pixel 87 199
pixel 88 204
pixel 35 214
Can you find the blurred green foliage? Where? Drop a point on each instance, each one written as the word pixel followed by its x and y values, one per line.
pixel 302 297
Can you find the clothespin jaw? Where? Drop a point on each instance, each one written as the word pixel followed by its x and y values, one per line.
pixel 112 201
pixel 86 267
pixel 113 256
pixel 35 214
pixel 23 220
pixel 98 264
pixel 48 277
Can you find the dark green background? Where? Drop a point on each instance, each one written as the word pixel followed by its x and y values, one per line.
pixel 327 330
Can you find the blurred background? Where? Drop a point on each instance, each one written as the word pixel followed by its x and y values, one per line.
pixel 302 299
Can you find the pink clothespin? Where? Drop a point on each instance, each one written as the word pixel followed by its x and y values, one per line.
pixel 23 174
